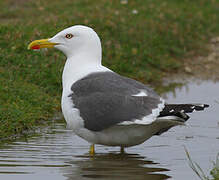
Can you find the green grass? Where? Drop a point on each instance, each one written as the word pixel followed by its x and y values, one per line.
pixel 215 170
pixel 143 45
pixel 198 170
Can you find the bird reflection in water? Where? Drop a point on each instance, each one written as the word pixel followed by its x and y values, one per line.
pixel 114 166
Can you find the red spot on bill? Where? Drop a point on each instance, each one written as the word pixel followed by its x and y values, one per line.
pixel 36 47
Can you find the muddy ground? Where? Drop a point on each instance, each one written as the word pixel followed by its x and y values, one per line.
pixel 203 67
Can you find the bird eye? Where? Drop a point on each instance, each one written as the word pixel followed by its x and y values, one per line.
pixel 69 36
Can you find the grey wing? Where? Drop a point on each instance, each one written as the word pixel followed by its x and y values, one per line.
pixel 105 99
pixel 110 82
pixel 103 110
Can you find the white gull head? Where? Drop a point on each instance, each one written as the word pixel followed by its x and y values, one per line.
pixel 78 40
pixel 82 47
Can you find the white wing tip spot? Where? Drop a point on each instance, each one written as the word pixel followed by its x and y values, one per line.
pixel 141 93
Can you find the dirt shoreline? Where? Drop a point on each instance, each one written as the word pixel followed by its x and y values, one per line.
pixel 202 67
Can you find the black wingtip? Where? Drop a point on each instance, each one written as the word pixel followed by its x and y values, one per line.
pixel 206 105
pixel 199 107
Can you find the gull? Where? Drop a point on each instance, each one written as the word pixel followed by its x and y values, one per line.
pixel 102 106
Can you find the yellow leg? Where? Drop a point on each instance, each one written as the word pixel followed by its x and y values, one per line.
pixel 92 149
pixel 122 150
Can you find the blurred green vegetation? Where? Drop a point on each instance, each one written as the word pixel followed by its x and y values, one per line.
pixel 199 171
pixel 141 39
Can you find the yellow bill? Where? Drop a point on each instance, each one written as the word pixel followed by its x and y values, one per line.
pixel 42 43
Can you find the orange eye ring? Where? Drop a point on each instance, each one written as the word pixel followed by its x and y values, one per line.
pixel 69 36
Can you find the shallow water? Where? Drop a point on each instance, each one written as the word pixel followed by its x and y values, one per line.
pixel 58 154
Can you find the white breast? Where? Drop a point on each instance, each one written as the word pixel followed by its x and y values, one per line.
pixel 71 114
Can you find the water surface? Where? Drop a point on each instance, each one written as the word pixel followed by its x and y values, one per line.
pixel 58 154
